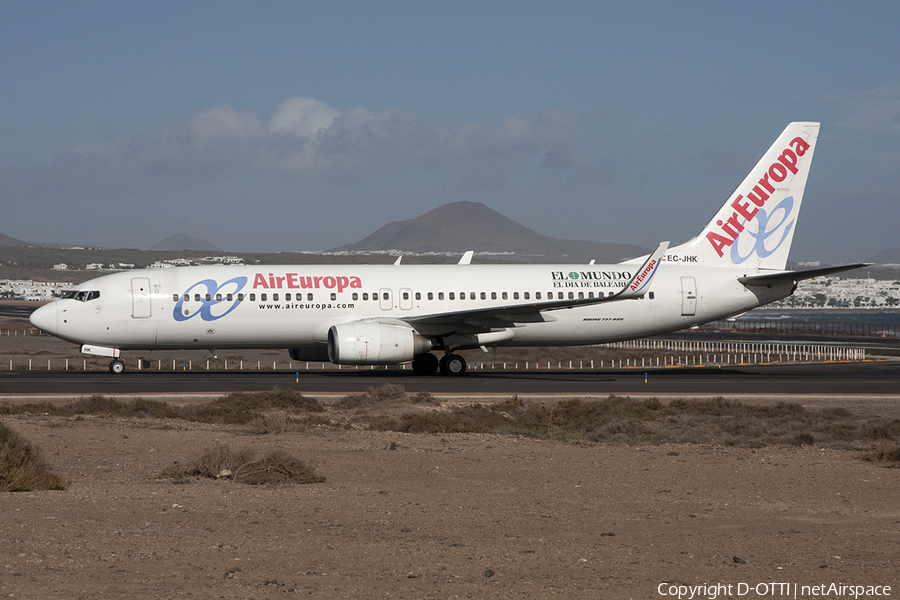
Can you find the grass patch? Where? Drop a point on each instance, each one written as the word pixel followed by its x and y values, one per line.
pixel 384 395
pixel 21 467
pixel 233 409
pixel 648 421
pixel 242 466
pixel 886 452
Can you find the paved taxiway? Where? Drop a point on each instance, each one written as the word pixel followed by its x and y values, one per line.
pixel 830 379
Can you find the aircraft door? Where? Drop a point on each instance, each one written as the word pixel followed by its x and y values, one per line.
pixel 688 297
pixel 406 299
pixel 140 297
pixel 384 298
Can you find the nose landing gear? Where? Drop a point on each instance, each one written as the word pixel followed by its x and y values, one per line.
pixel 117 366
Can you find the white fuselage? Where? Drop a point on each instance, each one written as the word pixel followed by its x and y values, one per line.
pixel 293 306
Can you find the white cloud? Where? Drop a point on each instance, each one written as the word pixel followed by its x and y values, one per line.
pixel 308 139
pixel 303 117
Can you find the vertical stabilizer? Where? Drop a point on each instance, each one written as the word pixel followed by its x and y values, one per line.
pixel 754 228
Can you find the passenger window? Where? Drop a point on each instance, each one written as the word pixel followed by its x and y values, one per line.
pixel 526 295
pixel 493 295
pixel 174 297
pixel 418 295
pixel 452 296
pixel 505 296
pixel 219 297
pixel 375 296
pixel 355 296
pixel 309 297
pixel 240 297
pixel 365 295
pixel 515 295
pixel 252 297
pixel 208 297
pixel 187 297
pixel 483 296
pixel 651 295
pixel 537 295
pixel 333 296
pixel 580 295
pixel 196 297
pixel 590 294
pixel 229 297
pixel 406 295
pixel 440 295
pixel 431 295
pixel 262 297
pixel 462 295
pixel 571 295
pixel 275 297
pixel 287 296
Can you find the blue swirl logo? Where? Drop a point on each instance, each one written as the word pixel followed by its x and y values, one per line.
pixel 764 230
pixel 214 299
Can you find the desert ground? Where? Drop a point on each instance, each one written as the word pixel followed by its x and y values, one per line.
pixel 441 515
pixel 437 516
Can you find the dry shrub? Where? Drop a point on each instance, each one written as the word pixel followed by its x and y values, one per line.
pixel 886 452
pixel 388 393
pixel 276 467
pixel 650 421
pixel 213 463
pixel 472 418
pixel 21 467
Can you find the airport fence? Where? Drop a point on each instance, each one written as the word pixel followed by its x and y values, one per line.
pixel 801 327
pixel 662 354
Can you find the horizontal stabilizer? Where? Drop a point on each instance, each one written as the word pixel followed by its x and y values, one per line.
pixel 783 276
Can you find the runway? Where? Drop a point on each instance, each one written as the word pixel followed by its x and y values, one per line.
pixel 828 379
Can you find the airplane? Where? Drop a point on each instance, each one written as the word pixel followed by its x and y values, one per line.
pixel 395 314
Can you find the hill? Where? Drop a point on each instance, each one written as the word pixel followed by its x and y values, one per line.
pixel 461 226
pixel 5 240
pixel 181 241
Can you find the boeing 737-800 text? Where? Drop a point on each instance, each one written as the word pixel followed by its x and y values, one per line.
pixel 392 314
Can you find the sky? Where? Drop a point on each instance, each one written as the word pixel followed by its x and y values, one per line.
pixel 305 125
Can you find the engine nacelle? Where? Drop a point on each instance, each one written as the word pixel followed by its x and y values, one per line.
pixel 373 343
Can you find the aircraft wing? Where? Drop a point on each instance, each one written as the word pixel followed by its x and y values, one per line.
pixel 784 276
pixel 485 319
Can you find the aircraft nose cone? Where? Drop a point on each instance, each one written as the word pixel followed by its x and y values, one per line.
pixel 45 318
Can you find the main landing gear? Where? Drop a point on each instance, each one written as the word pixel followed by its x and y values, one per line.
pixel 117 366
pixel 453 365
pixel 425 364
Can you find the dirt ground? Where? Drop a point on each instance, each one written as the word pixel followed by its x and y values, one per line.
pixel 438 516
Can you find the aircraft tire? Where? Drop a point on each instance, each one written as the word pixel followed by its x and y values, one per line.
pixel 116 367
pixel 453 365
pixel 425 364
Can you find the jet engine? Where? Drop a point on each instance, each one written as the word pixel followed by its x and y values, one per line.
pixel 371 343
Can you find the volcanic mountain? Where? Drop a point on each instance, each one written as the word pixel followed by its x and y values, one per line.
pixel 462 226
pixel 181 241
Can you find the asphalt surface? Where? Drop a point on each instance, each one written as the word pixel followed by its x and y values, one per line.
pixel 830 379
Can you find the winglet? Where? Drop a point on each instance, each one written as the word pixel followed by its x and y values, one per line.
pixel 638 285
pixel 466 258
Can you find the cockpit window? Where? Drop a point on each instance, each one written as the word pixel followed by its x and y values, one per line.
pixel 81 296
